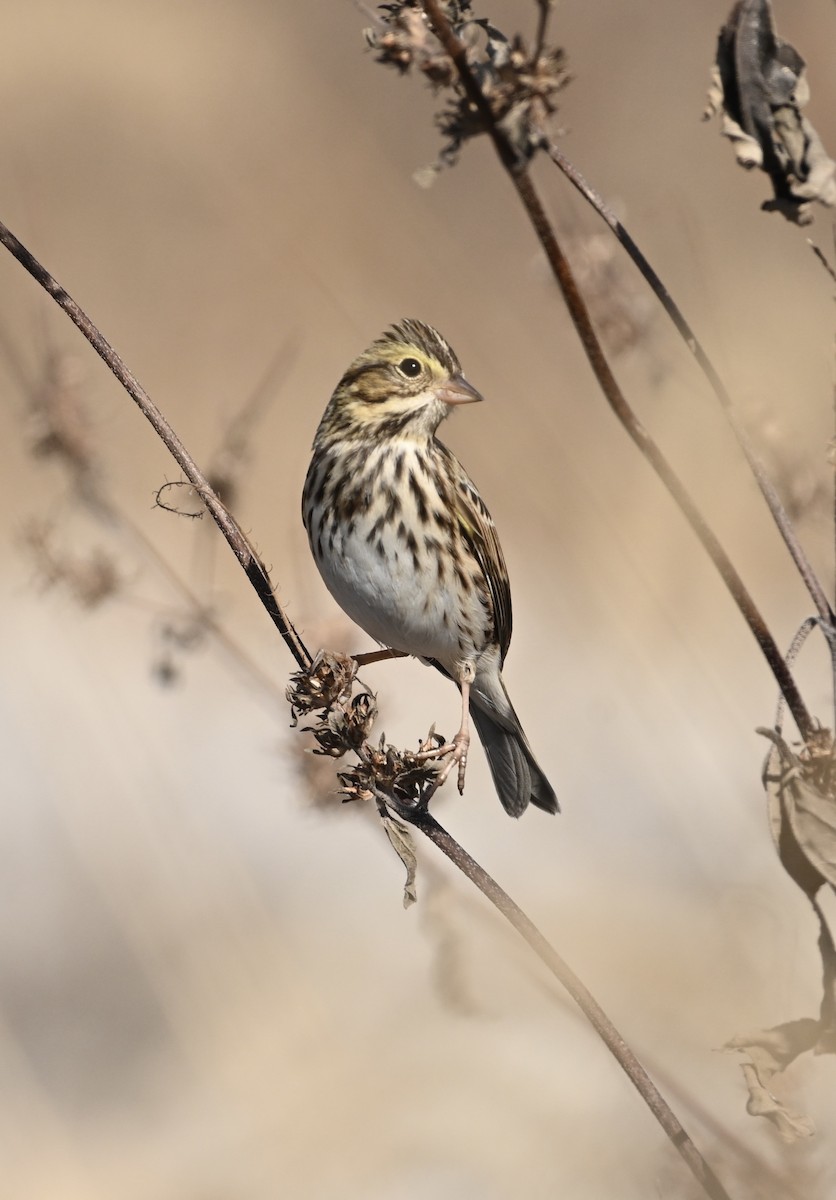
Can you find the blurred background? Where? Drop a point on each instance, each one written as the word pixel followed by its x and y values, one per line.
pixel 209 988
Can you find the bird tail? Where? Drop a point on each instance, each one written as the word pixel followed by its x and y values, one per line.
pixel 517 777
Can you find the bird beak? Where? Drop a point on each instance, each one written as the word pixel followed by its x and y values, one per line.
pixel 458 391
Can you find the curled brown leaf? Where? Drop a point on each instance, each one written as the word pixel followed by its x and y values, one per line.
pixel 759 84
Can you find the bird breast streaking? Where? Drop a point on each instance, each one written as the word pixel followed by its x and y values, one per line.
pixel 407 547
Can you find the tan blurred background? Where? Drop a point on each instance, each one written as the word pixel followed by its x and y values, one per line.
pixel 208 987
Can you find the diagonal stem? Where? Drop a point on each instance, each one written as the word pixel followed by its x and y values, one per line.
pixel 421 819
pixel 545 8
pixel 252 565
pixel 770 495
pixel 617 401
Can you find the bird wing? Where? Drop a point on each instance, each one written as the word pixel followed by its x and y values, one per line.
pixel 479 534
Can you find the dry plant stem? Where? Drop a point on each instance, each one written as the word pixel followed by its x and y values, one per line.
pixel 545 7
pixel 779 513
pixel 615 398
pixel 590 1007
pixel 830 271
pixel 254 569
pixel 374 656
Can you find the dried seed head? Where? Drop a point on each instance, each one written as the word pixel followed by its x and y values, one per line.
pixel 405 777
pixel 519 83
pixel 345 721
pixel 328 681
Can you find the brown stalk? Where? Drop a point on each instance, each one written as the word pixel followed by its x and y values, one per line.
pixel 252 565
pixel 601 1023
pixel 770 495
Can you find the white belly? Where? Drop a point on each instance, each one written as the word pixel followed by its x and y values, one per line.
pixel 397 603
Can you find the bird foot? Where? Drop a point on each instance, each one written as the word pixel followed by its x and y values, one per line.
pixel 461 745
pixel 454 752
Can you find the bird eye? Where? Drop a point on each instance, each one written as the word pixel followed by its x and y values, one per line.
pixel 410 367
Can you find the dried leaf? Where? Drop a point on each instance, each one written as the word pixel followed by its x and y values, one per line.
pixel 813 818
pixel 769 1052
pixel 403 845
pixel 758 83
pixel 802 815
pixel 802 809
pixel 801 790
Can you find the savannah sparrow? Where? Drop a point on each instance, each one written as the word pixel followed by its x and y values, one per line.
pixel 407 547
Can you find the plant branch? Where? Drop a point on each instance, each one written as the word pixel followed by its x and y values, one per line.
pixel 421 819
pixel 579 313
pixel 823 262
pixel 545 8
pixel 252 565
pixel 773 500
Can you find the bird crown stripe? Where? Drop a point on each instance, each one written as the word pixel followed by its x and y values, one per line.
pixel 412 333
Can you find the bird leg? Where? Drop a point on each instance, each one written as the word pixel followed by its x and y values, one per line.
pixel 456 751
pixel 461 741
pixel 374 656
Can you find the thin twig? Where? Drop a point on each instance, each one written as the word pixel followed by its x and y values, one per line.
pixel 545 7
pixel 601 1023
pixel 820 256
pixel 832 274
pixel 580 316
pixel 375 656
pixel 773 500
pixel 252 565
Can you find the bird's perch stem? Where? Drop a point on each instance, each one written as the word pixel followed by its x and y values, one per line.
pixel 252 565
pixel 601 1023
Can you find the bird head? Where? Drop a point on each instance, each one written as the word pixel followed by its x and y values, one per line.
pixel 403 385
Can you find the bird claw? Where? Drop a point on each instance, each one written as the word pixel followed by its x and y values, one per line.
pixel 433 746
pixel 455 753
pixel 461 744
